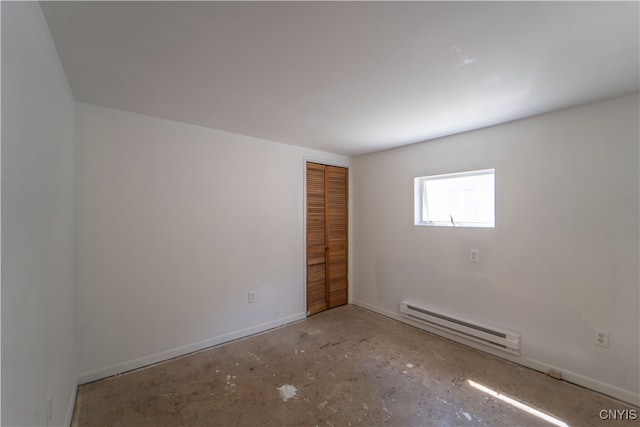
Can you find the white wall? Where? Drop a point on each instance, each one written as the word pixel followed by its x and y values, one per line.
pixel 176 223
pixel 38 350
pixel 562 260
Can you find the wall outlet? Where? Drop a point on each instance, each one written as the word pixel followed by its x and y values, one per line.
pixel 473 255
pixel 252 296
pixel 601 338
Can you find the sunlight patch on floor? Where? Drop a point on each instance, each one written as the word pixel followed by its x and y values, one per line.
pixel 518 404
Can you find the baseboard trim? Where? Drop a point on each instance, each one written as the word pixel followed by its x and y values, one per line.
pixel 71 406
pixel 162 356
pixel 376 309
pixel 569 376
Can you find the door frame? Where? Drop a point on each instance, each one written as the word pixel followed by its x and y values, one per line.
pixel 328 162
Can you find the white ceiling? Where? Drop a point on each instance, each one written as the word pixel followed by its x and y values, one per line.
pixel 348 78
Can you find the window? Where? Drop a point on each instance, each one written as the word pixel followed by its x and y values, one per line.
pixel 464 199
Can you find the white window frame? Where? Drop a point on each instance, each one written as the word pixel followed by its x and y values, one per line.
pixel 420 202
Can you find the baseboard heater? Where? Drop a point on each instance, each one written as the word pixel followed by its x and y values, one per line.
pixel 495 338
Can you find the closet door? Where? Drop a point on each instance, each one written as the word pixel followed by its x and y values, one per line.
pixel 336 225
pixel 327 219
pixel 316 239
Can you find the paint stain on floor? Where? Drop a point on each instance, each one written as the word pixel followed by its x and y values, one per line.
pixel 287 392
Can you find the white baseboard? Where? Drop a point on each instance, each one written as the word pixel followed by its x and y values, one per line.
pixel 182 350
pixel 572 377
pixel 72 403
pixel 582 380
pixel 376 309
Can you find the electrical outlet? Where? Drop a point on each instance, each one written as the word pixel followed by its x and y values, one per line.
pixel 601 338
pixel 473 255
pixel 252 296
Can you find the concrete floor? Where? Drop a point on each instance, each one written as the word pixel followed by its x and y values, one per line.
pixel 346 366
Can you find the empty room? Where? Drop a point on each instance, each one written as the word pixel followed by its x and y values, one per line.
pixel 320 213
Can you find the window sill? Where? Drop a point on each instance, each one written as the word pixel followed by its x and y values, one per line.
pixel 456 225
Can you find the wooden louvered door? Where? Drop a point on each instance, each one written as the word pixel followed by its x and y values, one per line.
pixel 337 206
pixel 316 239
pixel 327 219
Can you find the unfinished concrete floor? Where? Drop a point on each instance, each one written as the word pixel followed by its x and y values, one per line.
pixel 346 366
